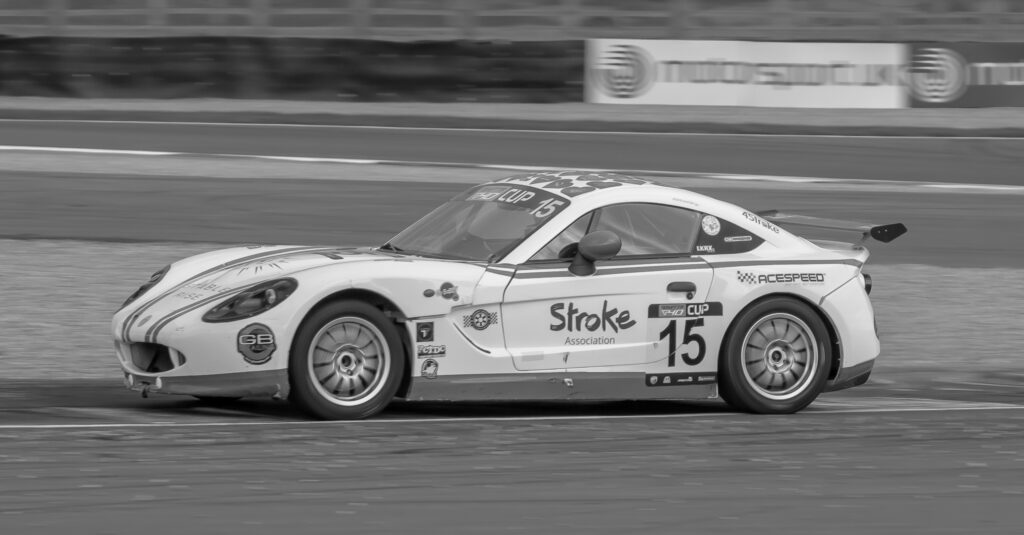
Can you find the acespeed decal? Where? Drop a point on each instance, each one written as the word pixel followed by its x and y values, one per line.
pixel 754 279
pixel 256 343
pixel 130 320
pixel 680 379
pixel 425 331
pixel 684 310
pixel 431 350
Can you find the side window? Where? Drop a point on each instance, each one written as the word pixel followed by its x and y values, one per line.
pixel 649 229
pixel 557 247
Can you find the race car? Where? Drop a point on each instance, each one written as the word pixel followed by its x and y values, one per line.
pixel 541 286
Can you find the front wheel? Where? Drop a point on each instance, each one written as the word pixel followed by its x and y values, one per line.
pixel 776 358
pixel 346 361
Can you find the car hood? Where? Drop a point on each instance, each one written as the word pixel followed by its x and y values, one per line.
pixel 238 268
pixel 202 280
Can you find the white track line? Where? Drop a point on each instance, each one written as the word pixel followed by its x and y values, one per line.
pixel 542 131
pixel 528 168
pixel 491 419
pixel 77 150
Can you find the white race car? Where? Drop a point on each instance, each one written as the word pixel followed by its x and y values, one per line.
pixel 555 285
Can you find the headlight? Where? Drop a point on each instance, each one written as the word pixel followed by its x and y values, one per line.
pixel 256 300
pixel 153 280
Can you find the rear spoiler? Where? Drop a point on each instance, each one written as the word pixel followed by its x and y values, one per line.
pixel 882 233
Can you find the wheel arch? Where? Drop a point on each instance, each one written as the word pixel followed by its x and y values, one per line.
pixel 833 334
pixel 390 309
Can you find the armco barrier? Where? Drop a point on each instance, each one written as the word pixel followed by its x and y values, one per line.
pixel 317 69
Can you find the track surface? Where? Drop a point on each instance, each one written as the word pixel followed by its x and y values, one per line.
pixel 978 161
pixel 979 230
pixel 924 457
pixel 849 464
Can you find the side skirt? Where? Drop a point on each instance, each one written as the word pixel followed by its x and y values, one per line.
pixel 564 386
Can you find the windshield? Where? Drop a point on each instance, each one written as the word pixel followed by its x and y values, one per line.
pixel 481 224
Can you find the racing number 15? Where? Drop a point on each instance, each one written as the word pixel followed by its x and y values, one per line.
pixel 546 208
pixel 688 336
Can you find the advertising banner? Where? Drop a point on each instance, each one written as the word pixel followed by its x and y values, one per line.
pixel 966 75
pixel 745 73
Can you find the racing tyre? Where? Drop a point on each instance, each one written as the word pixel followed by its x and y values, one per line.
pixel 346 361
pixel 776 358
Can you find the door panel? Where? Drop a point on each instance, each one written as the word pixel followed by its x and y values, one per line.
pixel 554 319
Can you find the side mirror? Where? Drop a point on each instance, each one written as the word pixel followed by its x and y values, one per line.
pixel 600 245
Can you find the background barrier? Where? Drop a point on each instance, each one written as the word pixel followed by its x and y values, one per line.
pixel 545 20
pixel 746 73
pixel 315 69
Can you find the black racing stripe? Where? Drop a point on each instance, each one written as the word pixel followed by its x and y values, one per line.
pixel 129 322
pixel 614 264
pixel 162 322
pixel 614 270
pixel 744 263
pixel 611 270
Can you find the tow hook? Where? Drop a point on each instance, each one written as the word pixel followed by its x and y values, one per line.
pixel 145 392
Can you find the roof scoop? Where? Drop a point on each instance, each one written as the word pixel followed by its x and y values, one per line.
pixel 882 233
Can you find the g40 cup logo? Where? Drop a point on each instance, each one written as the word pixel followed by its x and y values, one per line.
pixel 938 75
pixel 623 71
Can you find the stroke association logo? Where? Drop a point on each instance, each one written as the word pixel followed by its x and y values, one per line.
pixel 623 71
pixel 937 75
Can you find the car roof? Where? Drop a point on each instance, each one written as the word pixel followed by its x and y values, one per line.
pixel 585 184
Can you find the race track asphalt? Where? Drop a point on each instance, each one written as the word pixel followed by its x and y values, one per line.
pixel 90 457
pixel 976 161
pixel 946 229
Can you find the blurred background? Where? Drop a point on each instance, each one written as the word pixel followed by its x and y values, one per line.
pixel 134 133
pixel 435 50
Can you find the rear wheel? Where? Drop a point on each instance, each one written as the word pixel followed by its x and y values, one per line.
pixel 776 358
pixel 346 361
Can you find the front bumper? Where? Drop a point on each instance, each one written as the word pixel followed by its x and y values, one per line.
pixel 266 383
